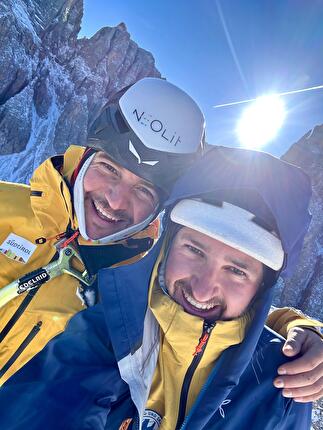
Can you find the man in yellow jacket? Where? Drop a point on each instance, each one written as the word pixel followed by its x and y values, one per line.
pixel 91 208
pixel 96 205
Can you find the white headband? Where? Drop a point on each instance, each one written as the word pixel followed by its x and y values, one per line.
pixel 233 226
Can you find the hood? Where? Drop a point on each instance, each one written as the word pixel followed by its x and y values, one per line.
pixel 238 173
pixel 285 190
pixel 51 198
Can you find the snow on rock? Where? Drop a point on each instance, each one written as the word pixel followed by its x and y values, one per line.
pixel 23 19
pixel 19 51
pixel 52 84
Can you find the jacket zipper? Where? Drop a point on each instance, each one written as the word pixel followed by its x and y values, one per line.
pixel 21 348
pixel 198 354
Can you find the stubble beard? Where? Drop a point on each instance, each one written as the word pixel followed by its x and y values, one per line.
pixel 214 314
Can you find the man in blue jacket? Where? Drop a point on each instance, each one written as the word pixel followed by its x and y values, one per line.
pixel 203 359
pixel 108 370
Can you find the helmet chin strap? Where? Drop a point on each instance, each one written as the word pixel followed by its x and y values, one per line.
pixel 80 212
pixel 79 198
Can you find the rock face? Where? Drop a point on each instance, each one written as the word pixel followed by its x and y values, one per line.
pixel 304 290
pixel 53 84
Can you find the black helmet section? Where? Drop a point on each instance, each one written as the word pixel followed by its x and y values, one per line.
pixel 276 192
pixel 156 131
pixel 124 147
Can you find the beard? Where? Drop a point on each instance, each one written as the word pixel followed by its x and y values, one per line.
pixel 183 295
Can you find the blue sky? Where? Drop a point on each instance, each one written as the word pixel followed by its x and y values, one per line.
pixel 227 50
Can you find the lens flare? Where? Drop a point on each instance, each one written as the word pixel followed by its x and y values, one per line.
pixel 261 121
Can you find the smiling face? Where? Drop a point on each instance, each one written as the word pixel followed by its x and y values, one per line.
pixel 115 198
pixel 210 279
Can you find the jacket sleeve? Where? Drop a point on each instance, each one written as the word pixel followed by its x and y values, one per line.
pixel 283 319
pixel 297 416
pixel 71 384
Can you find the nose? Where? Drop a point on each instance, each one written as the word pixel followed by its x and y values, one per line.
pixel 206 284
pixel 118 196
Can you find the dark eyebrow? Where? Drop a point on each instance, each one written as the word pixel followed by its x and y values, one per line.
pixel 241 264
pixel 148 184
pixel 102 156
pixel 195 242
pixel 152 189
pixel 106 158
pixel 238 263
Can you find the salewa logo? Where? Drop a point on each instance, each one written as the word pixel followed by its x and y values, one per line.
pixel 135 153
pixel 221 410
pixel 17 248
pixel 157 126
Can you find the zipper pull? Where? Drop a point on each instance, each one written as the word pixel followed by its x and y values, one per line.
pixel 70 239
pixel 207 328
pixel 61 236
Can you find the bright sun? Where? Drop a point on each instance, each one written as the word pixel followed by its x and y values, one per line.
pixel 261 121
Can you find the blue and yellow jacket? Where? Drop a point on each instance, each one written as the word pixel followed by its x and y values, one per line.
pixel 98 373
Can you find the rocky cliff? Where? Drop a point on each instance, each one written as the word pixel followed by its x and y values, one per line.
pixel 52 84
pixel 304 290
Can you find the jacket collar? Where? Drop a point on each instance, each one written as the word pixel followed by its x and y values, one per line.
pixel 50 195
pixel 124 295
pixel 125 303
pixel 230 366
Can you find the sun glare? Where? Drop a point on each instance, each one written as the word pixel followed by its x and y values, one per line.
pixel 261 121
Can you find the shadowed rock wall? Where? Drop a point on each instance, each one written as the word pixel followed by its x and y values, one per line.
pixel 53 84
pixel 304 290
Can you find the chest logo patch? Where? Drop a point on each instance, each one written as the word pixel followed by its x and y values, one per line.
pixel 151 420
pixel 17 248
pixel 221 410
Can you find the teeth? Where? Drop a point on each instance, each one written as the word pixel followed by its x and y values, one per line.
pixel 105 214
pixel 198 305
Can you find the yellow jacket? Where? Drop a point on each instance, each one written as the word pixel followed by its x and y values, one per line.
pixel 34 215
pixel 180 334
pixel 177 350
